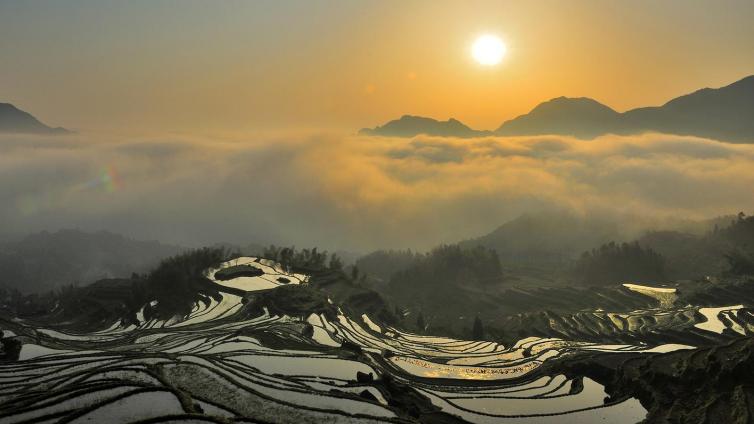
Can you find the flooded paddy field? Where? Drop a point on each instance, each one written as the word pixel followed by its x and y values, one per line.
pixel 233 360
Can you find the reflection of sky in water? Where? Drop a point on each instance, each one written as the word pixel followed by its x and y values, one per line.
pixel 305 375
pixel 423 368
pixel 588 404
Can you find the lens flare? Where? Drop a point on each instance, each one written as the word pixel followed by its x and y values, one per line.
pixel 108 179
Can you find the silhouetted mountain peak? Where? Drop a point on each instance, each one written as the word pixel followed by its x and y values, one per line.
pixel 576 116
pixel 725 113
pixel 411 125
pixel 15 120
pixel 572 105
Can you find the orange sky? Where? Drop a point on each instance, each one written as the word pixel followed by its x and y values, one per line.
pixel 238 66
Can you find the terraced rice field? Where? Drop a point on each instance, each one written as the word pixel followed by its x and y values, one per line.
pixel 215 366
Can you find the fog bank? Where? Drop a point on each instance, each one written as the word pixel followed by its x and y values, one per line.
pixel 334 190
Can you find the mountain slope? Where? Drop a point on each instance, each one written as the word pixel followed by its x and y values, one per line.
pixel 14 120
pixel 725 113
pixel 547 237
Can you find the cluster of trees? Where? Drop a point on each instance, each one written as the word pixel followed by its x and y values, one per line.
pixel 740 231
pixel 450 265
pixel 614 263
pixel 18 304
pixel 177 280
pixel 175 283
pixel 437 282
pixel 741 235
pixel 726 250
pixel 383 264
pixel 741 263
pixel 8 295
pixel 436 285
pixel 304 259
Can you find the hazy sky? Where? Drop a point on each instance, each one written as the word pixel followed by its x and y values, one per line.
pixel 201 66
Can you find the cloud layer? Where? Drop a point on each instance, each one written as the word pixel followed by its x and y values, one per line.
pixel 355 192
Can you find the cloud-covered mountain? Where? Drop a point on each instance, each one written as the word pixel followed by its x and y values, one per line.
pixel 725 114
pixel 14 120
pixel 409 126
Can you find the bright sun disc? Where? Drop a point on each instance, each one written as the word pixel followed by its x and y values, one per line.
pixel 488 50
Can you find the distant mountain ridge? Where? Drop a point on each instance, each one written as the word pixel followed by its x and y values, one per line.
pixel 579 117
pixel 408 126
pixel 15 120
pixel 725 113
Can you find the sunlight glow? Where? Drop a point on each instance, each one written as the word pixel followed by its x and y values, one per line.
pixel 488 50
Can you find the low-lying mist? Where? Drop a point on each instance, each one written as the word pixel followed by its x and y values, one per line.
pixel 355 192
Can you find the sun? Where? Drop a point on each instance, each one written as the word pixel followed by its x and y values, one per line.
pixel 488 50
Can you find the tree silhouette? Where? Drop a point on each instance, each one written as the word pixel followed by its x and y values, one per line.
pixel 420 322
pixel 477 332
pixel 620 263
pixel 335 263
pixel 305 259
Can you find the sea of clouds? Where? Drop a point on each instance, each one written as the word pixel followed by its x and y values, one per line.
pixel 355 192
